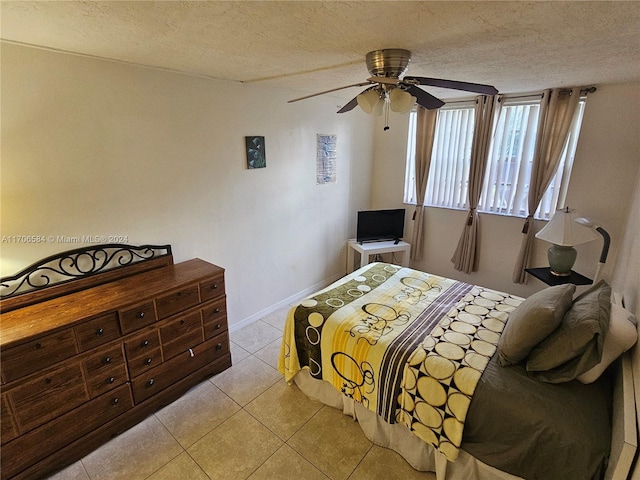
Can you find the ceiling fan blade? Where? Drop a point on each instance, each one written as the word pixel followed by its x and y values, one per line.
pixel 425 99
pixel 349 106
pixel 328 91
pixel 453 84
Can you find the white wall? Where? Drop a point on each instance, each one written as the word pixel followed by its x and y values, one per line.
pixel 626 279
pixel 606 166
pixel 92 147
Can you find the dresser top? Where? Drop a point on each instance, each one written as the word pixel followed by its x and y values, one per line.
pixel 18 326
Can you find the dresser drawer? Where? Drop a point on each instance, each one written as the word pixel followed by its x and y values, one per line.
pixel 137 317
pixel 30 357
pixel 214 318
pixel 142 343
pixel 169 372
pixel 105 370
pixel 8 426
pixel 98 331
pixel 139 365
pixel 219 345
pixel 178 301
pixel 46 440
pixel 210 289
pixel 48 396
pixel 143 352
pixel 180 335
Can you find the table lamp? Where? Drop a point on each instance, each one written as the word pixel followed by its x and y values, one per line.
pixel 563 233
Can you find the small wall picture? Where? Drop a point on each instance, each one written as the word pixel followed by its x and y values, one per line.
pixel 256 154
pixel 326 155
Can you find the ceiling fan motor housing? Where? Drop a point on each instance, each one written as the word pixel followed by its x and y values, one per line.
pixel 390 62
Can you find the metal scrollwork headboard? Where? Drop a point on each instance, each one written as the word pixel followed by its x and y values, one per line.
pixel 76 264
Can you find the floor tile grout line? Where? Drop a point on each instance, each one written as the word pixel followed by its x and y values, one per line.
pixel 172 436
pixel 300 453
pixel 276 433
pixel 85 469
pixel 362 459
pixel 196 462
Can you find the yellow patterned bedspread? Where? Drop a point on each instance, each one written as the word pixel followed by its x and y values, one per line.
pixel 408 345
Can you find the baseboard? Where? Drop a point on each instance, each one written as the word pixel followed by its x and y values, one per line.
pixel 291 300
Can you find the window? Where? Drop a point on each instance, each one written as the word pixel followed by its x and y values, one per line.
pixel 450 158
pixel 506 183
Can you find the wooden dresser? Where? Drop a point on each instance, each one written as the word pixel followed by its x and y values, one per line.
pixel 84 359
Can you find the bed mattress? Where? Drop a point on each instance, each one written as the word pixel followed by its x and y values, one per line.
pixel 384 335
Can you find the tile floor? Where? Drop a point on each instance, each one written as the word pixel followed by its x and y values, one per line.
pixel 244 423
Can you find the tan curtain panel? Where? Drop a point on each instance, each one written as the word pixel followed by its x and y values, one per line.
pixel 425 129
pixel 465 257
pixel 556 114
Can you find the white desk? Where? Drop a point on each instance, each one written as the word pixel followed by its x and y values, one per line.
pixel 373 248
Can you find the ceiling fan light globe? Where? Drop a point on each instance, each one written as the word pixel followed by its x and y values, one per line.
pixel 401 101
pixel 368 100
pixel 378 108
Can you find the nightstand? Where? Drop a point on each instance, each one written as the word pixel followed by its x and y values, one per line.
pixel 544 274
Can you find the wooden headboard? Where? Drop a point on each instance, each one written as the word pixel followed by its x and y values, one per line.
pixel 78 269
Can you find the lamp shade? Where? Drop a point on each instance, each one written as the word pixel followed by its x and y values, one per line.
pixel 564 231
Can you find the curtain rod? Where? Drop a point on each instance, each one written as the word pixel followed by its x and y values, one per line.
pixel 583 91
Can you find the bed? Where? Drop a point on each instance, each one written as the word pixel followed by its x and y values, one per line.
pixel 462 380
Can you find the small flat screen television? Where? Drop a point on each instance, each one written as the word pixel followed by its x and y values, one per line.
pixel 378 225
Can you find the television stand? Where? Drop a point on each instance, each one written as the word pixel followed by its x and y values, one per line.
pixel 374 248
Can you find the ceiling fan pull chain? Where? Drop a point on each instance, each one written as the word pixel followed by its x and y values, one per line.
pixel 386 111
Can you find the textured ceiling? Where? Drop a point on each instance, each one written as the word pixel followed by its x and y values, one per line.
pixel 313 46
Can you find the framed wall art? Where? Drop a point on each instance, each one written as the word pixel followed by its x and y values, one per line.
pixel 326 155
pixel 256 154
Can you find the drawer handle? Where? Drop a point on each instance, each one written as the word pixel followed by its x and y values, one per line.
pixel 219 346
pixel 99 332
pixel 38 345
pixel 148 361
pixel 111 380
pixel 144 343
pixel 182 322
pixel 214 286
pixel 107 360
pixel 217 310
pixel 218 326
pixel 47 380
pixel 115 401
pixel 140 315
pixel 151 382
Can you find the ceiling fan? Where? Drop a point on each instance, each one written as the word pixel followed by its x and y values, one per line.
pixel 388 91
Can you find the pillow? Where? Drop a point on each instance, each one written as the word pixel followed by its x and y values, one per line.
pixel 531 322
pixel 621 336
pixel 576 346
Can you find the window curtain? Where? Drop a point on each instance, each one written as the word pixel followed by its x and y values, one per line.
pixel 465 257
pixel 557 109
pixel 425 129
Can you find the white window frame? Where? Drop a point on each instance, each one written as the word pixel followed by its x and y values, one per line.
pixel 448 164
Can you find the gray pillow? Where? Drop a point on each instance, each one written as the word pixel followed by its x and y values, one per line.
pixel 532 321
pixel 577 344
